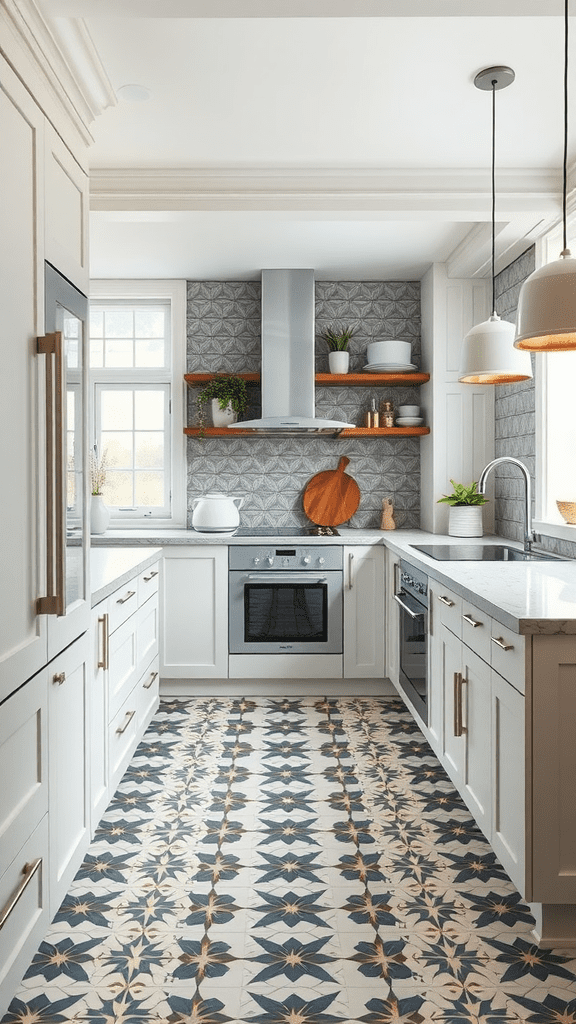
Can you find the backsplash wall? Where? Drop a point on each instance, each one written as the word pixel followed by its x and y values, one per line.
pixel 515 412
pixel 223 334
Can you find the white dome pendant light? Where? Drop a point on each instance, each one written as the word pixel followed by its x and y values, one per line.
pixel 546 320
pixel 488 353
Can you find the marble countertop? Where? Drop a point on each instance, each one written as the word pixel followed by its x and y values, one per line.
pixel 528 597
pixel 168 537
pixel 111 568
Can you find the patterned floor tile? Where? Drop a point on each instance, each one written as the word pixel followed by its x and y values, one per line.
pixel 291 860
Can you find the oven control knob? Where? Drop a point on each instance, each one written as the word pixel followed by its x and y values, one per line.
pixel 321 561
pixel 270 560
pixel 256 561
pixel 306 560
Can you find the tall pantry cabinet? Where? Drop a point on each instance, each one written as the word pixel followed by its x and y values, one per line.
pixel 43 217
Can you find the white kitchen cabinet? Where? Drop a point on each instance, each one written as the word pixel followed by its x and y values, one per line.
pixel 508 777
pixel 24 857
pixel 23 636
pixel 68 765
pixel 66 205
pixel 392 617
pixel 364 612
pixel 98 729
pixel 194 613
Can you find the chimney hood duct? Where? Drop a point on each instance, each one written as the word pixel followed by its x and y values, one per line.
pixel 288 358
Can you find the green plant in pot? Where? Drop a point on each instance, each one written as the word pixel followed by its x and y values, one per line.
pixel 465 516
pixel 338 338
pixel 229 398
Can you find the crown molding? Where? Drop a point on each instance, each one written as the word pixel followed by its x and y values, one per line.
pixel 438 192
pixel 59 66
pixel 312 8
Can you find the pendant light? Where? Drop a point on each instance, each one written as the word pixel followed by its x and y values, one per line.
pixel 546 320
pixel 488 353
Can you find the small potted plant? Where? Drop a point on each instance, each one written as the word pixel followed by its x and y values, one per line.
pixel 99 512
pixel 465 516
pixel 337 338
pixel 229 398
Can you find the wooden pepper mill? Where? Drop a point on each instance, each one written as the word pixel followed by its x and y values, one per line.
pixel 387 522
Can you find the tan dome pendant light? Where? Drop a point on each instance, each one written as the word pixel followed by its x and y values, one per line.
pixel 488 353
pixel 546 320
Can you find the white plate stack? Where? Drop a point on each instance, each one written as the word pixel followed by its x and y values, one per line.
pixel 409 416
pixel 391 356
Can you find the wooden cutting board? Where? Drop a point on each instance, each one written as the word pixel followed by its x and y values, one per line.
pixel 331 497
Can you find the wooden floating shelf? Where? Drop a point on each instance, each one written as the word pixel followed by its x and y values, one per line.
pixel 327 380
pixel 352 432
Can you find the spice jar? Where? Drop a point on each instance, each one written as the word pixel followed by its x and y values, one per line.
pixel 387 414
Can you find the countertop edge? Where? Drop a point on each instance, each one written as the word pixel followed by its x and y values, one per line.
pixel 104 566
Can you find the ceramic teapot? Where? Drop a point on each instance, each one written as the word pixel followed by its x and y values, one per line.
pixel 214 513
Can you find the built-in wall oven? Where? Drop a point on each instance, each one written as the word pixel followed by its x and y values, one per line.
pixel 285 599
pixel 411 594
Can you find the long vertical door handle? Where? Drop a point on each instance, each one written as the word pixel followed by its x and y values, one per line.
pixel 54 603
pixel 104 660
pixel 350 572
pixel 458 722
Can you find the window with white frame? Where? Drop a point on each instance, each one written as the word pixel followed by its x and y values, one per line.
pixel 137 335
pixel 556 421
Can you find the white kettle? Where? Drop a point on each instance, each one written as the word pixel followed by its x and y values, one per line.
pixel 216 513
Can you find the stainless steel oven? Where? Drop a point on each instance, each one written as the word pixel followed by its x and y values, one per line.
pixel 411 594
pixel 285 598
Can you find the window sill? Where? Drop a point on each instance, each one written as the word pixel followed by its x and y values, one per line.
pixel 561 531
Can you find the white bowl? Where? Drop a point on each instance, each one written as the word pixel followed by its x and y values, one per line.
pixel 409 421
pixel 390 351
pixel 408 410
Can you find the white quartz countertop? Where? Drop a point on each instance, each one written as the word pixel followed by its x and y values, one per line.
pixel 183 536
pixel 528 597
pixel 111 568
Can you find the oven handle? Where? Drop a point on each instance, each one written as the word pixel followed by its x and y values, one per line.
pixel 278 576
pixel 412 614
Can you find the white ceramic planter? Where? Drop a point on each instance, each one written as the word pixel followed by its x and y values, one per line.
pixel 99 514
pixel 222 417
pixel 465 521
pixel 339 361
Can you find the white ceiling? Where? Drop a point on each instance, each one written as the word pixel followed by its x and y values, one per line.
pixel 355 145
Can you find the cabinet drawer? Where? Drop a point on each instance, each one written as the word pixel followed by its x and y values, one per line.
pixel 148 693
pixel 448 608
pixel 122 604
pixel 147 633
pixel 148 582
pixel 476 627
pixel 508 655
pixel 123 664
pixel 23 909
pixel 122 736
pixel 23 765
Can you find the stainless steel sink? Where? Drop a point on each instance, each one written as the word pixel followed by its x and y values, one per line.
pixel 484 553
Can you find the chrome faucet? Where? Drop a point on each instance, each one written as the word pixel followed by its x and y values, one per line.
pixel 529 536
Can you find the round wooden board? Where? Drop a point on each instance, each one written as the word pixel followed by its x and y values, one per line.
pixel 331 497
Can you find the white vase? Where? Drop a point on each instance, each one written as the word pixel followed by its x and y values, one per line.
pixel 338 361
pixel 99 515
pixel 222 417
pixel 465 521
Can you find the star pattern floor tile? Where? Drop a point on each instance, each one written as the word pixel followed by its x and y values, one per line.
pixel 291 861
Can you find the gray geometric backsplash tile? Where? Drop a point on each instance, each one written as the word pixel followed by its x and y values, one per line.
pixel 223 334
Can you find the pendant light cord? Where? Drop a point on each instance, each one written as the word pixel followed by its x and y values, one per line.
pixel 494 193
pixel 565 162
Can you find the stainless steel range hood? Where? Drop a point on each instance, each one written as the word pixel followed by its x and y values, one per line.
pixel 288 357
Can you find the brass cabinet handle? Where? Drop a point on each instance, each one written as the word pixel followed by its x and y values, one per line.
pixel 472 622
pixel 459 729
pixel 500 641
pixel 59 677
pixel 150 577
pixel 122 600
pixel 54 603
pixel 122 728
pixel 28 871
pixel 104 661
pixel 446 600
pixel 152 678
pixel 350 572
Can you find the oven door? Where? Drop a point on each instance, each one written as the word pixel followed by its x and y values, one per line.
pixel 285 612
pixel 413 657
